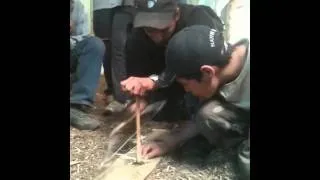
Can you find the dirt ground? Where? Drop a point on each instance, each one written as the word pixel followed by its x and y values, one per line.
pixel 87 150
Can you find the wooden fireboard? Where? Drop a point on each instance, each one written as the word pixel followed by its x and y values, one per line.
pixel 124 168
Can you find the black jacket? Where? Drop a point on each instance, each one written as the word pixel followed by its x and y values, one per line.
pixel 144 57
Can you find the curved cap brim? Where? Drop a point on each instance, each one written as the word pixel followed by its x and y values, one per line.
pixel 153 19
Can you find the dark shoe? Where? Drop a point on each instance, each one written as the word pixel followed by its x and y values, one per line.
pixel 115 107
pixel 82 107
pixel 109 98
pixel 81 120
pixel 244 160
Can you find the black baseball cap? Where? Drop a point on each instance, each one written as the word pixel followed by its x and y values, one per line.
pixel 154 13
pixel 193 47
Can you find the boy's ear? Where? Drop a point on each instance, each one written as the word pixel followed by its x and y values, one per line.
pixel 207 71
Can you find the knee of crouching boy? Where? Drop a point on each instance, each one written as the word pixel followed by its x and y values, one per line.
pixel 211 116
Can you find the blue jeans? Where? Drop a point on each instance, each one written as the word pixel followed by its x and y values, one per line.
pixel 86 60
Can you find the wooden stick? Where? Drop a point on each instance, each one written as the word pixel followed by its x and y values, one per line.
pixel 138 128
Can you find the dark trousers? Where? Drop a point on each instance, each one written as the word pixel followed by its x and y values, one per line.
pixel 102 24
pixel 85 68
pixel 223 125
pixel 114 25
pixel 221 122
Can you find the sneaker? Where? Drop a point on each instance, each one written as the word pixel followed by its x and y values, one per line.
pixel 81 120
pixel 109 98
pixel 115 107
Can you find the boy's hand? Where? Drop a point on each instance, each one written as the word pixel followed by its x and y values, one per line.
pixel 154 149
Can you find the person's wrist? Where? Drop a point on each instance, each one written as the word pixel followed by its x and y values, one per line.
pixel 154 78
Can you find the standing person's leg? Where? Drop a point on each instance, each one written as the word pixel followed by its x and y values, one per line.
pixel 87 60
pixel 102 25
pixel 107 71
pixel 122 24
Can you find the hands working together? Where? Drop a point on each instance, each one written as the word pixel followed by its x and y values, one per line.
pixel 137 86
pixel 161 145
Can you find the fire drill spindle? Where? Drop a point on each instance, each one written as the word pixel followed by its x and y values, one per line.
pixel 138 129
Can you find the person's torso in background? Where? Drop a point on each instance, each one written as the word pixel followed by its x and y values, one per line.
pixel 236 16
pixel 234 13
pixel 80 23
pixel 79 19
pixel 108 4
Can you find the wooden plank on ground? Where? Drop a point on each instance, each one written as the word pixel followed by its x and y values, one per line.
pixel 123 168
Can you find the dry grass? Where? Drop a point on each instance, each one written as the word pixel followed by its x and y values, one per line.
pixel 88 147
pixel 216 165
